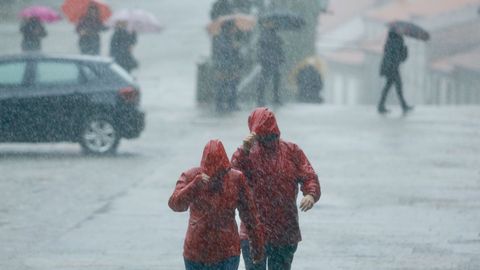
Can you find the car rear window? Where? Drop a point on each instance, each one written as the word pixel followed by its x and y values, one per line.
pixel 57 73
pixel 12 73
pixel 122 73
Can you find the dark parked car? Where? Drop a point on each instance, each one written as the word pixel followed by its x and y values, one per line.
pixel 84 99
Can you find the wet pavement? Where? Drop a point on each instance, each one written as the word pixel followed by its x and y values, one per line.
pixel 398 192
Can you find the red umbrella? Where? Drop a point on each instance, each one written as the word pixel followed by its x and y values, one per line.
pixel 76 9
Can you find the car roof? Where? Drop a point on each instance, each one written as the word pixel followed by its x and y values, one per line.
pixel 41 56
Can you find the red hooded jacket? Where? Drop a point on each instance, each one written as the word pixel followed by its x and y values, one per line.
pixel 274 173
pixel 212 234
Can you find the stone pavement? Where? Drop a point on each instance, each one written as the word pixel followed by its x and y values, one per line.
pixel 398 193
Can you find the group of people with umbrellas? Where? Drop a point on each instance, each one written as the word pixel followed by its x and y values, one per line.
pixel 91 17
pixel 227 61
pixel 270 55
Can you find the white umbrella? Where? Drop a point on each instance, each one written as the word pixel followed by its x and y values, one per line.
pixel 137 20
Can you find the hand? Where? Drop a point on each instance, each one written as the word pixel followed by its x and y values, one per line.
pixel 257 258
pixel 205 178
pixel 248 141
pixel 307 203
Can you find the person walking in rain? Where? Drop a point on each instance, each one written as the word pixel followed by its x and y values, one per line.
pixel 213 192
pixel 274 169
pixel 270 56
pixel 395 52
pixel 121 46
pixel 33 32
pixel 89 28
pixel 227 65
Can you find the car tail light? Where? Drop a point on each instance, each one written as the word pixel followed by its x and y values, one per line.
pixel 130 95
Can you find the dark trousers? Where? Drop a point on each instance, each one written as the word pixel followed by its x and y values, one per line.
pixel 277 258
pixel 229 264
pixel 89 44
pixel 226 95
pixel 393 79
pixel 267 75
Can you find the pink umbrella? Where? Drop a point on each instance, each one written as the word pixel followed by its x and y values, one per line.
pixel 44 14
pixel 137 20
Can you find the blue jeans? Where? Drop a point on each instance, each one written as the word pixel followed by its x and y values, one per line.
pixel 229 264
pixel 277 258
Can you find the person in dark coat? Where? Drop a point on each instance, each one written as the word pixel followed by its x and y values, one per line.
pixel 270 56
pixel 275 170
pixel 221 8
pixel 89 28
pixel 121 46
pixel 310 83
pixel 33 32
pixel 227 66
pixel 213 192
pixel 395 52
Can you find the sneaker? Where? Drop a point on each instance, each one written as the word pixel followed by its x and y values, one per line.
pixel 407 109
pixel 383 110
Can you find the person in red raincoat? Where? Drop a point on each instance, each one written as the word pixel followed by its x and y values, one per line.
pixel 212 192
pixel 275 169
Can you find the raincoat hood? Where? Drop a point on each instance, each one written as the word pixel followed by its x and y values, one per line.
pixel 262 121
pixel 214 159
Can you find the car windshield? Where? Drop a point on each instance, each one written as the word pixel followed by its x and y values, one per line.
pixel 122 73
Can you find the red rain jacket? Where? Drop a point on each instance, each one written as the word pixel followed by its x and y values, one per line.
pixel 274 174
pixel 212 234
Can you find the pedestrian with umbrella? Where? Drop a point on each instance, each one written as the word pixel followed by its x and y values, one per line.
pixel 121 46
pixel 88 15
pixel 227 64
pixel 127 23
pixel 89 28
pixel 395 53
pixel 270 51
pixel 32 27
pixel 33 32
pixel 212 193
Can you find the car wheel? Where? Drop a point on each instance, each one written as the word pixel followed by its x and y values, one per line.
pixel 99 136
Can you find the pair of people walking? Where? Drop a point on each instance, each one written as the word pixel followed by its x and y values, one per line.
pixel 261 181
pixel 121 44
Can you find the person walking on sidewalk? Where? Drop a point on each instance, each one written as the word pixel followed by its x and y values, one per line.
pixel 89 28
pixel 227 65
pixel 274 169
pixel 121 46
pixel 33 32
pixel 213 192
pixel 395 52
pixel 270 56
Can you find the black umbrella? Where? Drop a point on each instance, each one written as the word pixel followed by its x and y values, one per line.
pixel 282 21
pixel 409 29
